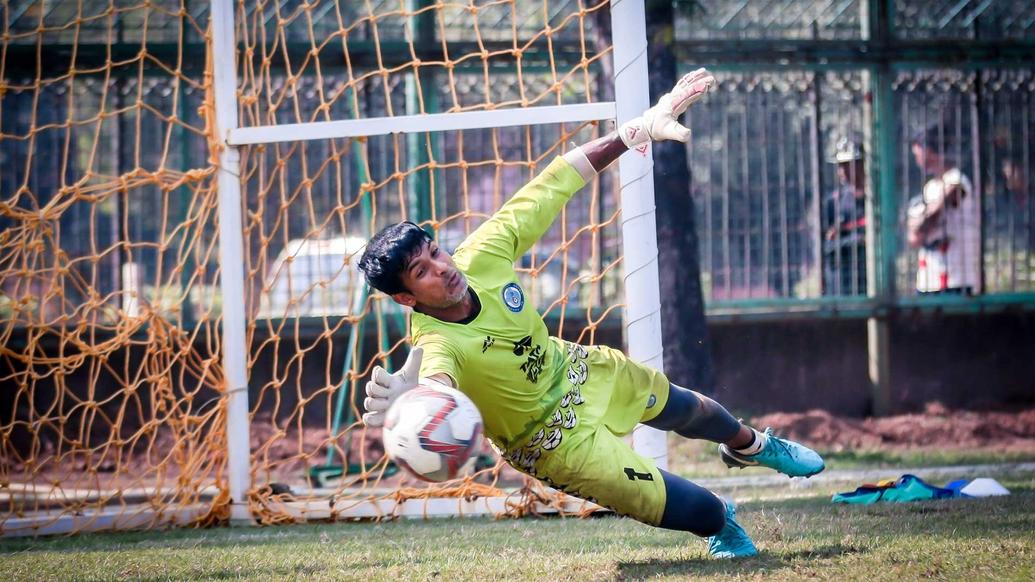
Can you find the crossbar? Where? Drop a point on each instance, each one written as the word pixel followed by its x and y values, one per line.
pixel 421 123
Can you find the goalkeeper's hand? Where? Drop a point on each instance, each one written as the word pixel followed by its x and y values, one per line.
pixel 383 388
pixel 659 122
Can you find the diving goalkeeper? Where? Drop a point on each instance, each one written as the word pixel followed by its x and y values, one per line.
pixel 556 410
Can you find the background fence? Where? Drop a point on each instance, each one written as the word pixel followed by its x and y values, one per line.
pixel 798 76
pixel 795 77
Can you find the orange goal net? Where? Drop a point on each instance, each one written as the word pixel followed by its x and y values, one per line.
pixel 351 116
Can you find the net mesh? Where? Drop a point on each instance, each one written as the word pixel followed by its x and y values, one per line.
pixel 113 411
pixel 110 363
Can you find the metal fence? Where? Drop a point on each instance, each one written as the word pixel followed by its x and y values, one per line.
pixel 777 229
pixel 786 228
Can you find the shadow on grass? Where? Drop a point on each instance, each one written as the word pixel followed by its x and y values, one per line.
pixel 764 562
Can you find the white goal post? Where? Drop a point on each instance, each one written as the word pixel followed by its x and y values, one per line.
pixel 642 299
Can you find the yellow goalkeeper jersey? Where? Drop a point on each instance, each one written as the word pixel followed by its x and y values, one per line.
pixel 504 359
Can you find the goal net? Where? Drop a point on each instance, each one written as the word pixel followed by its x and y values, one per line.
pixel 126 342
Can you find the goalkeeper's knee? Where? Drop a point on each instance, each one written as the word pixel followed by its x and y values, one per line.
pixel 694 415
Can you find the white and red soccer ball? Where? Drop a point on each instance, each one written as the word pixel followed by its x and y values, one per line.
pixel 432 431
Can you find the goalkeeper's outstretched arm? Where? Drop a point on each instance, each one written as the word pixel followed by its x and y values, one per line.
pixel 515 227
pixel 658 123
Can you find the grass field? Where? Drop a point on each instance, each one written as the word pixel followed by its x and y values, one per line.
pixel 985 539
pixel 696 458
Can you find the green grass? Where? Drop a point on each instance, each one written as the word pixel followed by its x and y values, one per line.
pixel 801 538
pixel 922 458
pixel 696 458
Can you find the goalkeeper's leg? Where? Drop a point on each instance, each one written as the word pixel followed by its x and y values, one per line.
pixel 690 507
pixel 694 415
pixel 595 464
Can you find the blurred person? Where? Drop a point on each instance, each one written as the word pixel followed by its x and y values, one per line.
pixel 1015 182
pixel 844 239
pixel 557 410
pixel 1005 214
pixel 1011 176
pixel 943 222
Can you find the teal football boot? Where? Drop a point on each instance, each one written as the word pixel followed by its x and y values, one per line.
pixel 732 541
pixel 784 456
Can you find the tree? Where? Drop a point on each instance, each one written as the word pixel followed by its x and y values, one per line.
pixel 684 329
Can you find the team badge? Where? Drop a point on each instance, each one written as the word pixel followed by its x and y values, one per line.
pixel 513 297
pixel 652 401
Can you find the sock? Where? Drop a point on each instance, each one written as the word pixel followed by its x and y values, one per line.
pixel 758 442
pixel 690 507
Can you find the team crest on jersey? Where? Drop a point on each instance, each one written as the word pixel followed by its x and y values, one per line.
pixel 513 297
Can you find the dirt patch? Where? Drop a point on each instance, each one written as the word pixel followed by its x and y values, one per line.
pixel 937 427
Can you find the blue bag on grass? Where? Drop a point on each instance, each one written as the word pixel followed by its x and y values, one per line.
pixel 905 488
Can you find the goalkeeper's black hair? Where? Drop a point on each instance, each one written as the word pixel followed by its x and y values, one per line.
pixel 389 253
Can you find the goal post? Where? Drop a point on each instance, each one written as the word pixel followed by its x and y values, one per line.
pixel 639 224
pixel 231 259
pixel 642 323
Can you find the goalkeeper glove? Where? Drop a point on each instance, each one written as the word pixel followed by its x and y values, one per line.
pixel 383 388
pixel 659 122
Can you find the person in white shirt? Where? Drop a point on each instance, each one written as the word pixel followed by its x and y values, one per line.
pixel 944 221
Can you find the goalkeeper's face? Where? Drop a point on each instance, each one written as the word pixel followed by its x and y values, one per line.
pixel 432 280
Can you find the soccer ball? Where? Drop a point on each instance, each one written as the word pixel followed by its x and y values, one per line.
pixel 431 432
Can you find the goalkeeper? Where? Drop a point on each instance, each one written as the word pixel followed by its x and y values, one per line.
pixel 556 410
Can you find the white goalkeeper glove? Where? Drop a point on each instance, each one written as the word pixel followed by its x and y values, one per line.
pixel 383 388
pixel 659 122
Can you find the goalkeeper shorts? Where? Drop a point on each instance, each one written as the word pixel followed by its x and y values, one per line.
pixel 579 448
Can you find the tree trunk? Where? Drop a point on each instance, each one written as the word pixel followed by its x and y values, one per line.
pixel 684 330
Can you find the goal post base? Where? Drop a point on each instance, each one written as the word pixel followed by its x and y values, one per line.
pixel 387 508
